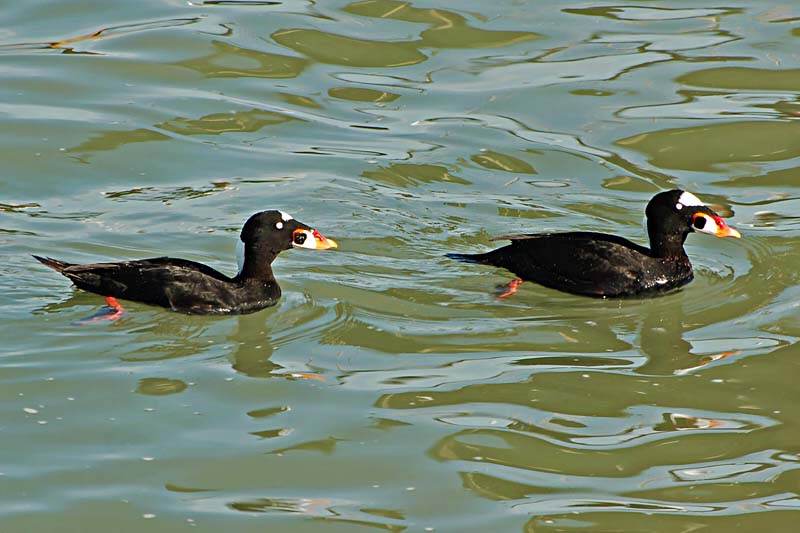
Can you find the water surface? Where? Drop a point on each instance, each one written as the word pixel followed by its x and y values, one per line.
pixel 390 389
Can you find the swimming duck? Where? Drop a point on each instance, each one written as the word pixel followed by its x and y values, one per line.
pixel 609 266
pixel 194 288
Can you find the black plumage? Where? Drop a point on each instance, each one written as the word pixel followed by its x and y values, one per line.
pixel 602 265
pixel 191 287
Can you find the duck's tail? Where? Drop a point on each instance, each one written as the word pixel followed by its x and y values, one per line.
pixel 55 264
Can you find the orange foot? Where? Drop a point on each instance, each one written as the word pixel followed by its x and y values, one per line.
pixel 512 288
pixel 112 312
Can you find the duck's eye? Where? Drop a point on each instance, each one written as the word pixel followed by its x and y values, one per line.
pixel 299 238
pixel 279 225
pixel 699 222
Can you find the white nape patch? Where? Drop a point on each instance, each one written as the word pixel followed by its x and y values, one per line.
pixel 279 225
pixel 688 199
pixel 285 216
pixel 240 255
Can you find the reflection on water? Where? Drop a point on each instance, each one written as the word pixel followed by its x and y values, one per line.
pixel 160 386
pixel 654 14
pixel 448 29
pixel 340 50
pixel 390 377
pixel 744 79
pixel 405 175
pixel 69 45
pixel 216 124
pixel 726 143
pixel 230 61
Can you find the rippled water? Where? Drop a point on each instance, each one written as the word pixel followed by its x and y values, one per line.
pixel 390 389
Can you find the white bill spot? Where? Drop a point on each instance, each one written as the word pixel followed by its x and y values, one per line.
pixel 310 241
pixel 709 227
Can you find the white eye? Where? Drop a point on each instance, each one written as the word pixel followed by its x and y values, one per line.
pixel 679 206
pixel 279 225
pixel 285 216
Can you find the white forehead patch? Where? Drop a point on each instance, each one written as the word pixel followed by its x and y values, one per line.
pixel 688 199
pixel 287 217
pixel 279 225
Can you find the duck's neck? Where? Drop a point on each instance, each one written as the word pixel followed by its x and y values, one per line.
pixel 257 265
pixel 667 245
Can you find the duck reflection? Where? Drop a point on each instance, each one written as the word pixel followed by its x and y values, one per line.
pixel 252 348
pixel 663 342
pixel 155 335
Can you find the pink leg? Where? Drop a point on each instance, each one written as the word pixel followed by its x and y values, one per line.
pixel 113 312
pixel 512 288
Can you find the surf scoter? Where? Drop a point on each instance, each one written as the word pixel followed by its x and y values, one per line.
pixel 607 266
pixel 194 288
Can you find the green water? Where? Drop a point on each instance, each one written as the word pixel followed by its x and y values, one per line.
pixel 390 389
